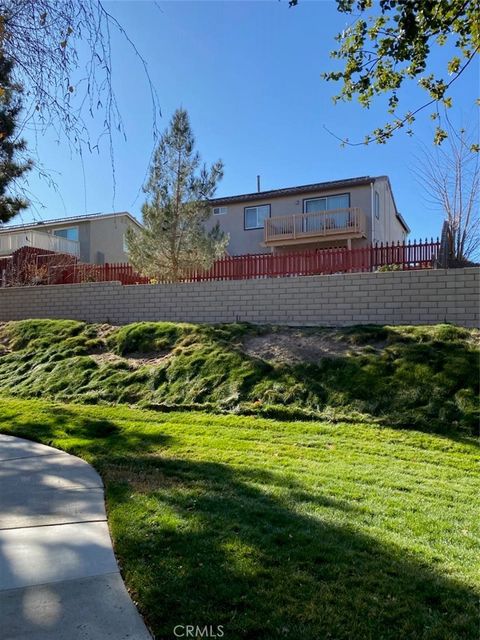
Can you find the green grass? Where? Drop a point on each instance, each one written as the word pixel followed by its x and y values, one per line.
pixel 280 529
pixel 411 377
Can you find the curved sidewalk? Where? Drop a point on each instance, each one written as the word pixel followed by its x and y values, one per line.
pixel 59 579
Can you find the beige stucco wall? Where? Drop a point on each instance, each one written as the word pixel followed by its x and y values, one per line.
pixel 106 239
pixel 387 228
pixel 402 297
pixel 243 241
pixel 101 239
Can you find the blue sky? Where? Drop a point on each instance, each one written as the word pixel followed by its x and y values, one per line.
pixel 249 75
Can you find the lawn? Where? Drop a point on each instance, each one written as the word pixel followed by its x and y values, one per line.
pixel 421 377
pixel 274 529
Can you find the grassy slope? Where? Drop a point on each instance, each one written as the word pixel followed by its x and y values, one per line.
pixel 421 377
pixel 281 529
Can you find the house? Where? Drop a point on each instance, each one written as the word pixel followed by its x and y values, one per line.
pixel 342 213
pixel 96 238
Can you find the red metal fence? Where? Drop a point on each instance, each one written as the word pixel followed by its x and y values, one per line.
pixel 402 256
pixel 40 267
pixel 78 273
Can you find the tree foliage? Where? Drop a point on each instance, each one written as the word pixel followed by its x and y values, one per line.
pixel 388 45
pixel 174 240
pixel 12 165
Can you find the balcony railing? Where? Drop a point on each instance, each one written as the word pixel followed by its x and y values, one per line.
pixel 334 224
pixel 10 242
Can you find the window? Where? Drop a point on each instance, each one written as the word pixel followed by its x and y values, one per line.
pixel 377 205
pixel 220 211
pixel 338 220
pixel 255 216
pixel 70 233
pixel 125 243
pixel 327 203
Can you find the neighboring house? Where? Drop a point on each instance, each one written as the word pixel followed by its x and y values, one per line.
pixel 96 238
pixel 352 213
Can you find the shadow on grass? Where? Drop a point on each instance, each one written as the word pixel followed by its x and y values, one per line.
pixel 204 544
pixel 217 549
pixel 80 434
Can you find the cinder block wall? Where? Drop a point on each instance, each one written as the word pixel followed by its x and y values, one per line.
pixel 402 297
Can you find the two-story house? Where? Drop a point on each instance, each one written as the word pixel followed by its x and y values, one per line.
pixel 342 213
pixel 95 238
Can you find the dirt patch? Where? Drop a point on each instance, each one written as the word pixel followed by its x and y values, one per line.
pixel 134 360
pixel 142 480
pixel 150 359
pixel 104 330
pixel 4 340
pixel 294 346
pixel 105 357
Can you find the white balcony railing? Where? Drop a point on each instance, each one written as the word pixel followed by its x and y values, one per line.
pixel 10 242
pixel 343 223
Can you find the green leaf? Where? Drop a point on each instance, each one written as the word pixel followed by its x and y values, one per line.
pixel 440 136
pixel 453 65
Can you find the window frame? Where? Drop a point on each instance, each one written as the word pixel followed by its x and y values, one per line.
pixel 220 213
pixel 255 206
pixel 330 195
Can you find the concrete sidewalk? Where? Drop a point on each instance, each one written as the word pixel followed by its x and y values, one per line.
pixel 59 579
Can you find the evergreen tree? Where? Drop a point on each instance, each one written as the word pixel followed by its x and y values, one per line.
pixel 10 168
pixel 174 240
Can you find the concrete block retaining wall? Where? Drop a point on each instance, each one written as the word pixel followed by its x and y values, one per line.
pixel 398 297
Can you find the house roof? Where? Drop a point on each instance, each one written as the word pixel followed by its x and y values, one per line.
pixel 310 188
pixel 288 191
pixel 39 224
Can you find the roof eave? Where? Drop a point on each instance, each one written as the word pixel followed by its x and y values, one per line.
pixel 307 188
pixel 67 221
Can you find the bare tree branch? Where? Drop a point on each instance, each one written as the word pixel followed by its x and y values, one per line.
pixel 451 180
pixel 62 52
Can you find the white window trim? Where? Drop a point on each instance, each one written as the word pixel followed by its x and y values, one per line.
pixel 257 207
pixel 219 211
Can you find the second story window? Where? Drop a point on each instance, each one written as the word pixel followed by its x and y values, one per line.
pixel 70 233
pixel 327 203
pixel 220 211
pixel 255 216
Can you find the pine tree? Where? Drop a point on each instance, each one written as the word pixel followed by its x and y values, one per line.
pixel 10 168
pixel 174 240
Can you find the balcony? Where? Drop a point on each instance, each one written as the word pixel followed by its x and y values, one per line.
pixel 10 242
pixel 300 228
